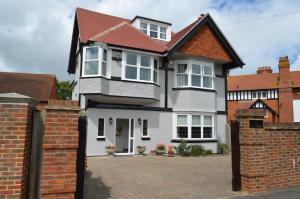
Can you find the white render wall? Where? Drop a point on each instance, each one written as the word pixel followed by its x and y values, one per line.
pixel 161 128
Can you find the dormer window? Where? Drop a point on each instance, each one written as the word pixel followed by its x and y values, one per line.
pixel 143 27
pixel 153 30
pixel 163 32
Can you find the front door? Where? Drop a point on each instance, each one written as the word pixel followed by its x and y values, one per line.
pixel 124 136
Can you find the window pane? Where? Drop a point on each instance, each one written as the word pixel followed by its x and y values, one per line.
pixel 145 127
pixel 182 79
pixel 153 27
pixel 196 69
pixel 101 127
pixel 196 132
pixel 182 132
pixel 207 82
pixel 91 53
pixel 207 70
pixel 182 68
pixel 104 67
pixel 145 61
pixel 163 29
pixel 104 55
pixel 181 120
pixel 131 72
pixel 91 68
pixel 153 34
pixel 196 120
pixel 208 120
pixel 143 31
pixel 207 132
pixel 155 76
pixel 143 25
pixel 163 36
pixel 131 59
pixel 145 74
pixel 196 80
pixel 132 128
pixel 155 64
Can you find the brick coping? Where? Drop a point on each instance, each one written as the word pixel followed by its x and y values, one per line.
pixel 283 126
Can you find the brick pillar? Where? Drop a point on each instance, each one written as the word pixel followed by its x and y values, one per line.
pixel 16 113
pixel 253 148
pixel 60 148
pixel 285 92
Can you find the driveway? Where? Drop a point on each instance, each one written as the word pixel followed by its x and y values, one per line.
pixel 158 177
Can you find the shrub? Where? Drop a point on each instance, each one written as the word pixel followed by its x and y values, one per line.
pixel 222 148
pixel 208 152
pixel 183 148
pixel 160 147
pixel 197 150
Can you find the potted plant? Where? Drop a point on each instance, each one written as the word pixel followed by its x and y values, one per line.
pixel 110 149
pixel 141 149
pixel 171 151
pixel 160 149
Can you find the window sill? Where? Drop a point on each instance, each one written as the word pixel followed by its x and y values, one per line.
pixel 100 138
pixel 176 140
pixel 145 138
pixel 139 81
pixel 195 89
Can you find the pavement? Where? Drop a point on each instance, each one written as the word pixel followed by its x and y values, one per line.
pixel 158 177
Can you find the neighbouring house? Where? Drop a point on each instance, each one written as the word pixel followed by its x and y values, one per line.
pixel 278 93
pixel 41 87
pixel 140 83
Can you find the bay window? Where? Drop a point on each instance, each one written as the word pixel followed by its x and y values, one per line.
pixel 193 74
pixel 94 61
pixel 141 67
pixel 194 126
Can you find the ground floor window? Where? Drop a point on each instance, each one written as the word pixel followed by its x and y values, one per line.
pixel 101 127
pixel 194 126
pixel 145 128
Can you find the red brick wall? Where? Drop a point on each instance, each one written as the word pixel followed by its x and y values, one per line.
pixel 15 143
pixel 269 156
pixel 205 43
pixel 60 146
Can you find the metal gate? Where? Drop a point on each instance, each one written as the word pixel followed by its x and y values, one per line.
pixel 235 155
pixel 81 157
pixel 36 155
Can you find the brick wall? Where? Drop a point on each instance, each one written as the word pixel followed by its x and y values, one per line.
pixel 15 143
pixel 270 156
pixel 60 146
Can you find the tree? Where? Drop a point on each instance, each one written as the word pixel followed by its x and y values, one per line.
pixel 64 90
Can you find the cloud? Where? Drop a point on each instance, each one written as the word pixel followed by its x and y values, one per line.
pixel 35 36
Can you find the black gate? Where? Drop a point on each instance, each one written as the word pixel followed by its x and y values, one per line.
pixel 80 167
pixel 235 159
pixel 36 155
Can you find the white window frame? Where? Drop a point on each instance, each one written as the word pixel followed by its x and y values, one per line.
pixel 258 94
pixel 189 125
pixel 189 72
pixel 124 55
pixel 159 26
pixel 100 60
pixel 144 28
pixel 103 136
pixel 148 133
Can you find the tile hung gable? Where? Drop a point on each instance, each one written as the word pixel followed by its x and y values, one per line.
pixel 206 44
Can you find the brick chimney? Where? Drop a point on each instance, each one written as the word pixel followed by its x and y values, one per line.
pixel 285 91
pixel 264 69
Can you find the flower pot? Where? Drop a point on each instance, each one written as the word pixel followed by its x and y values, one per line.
pixel 170 153
pixel 160 152
pixel 110 151
pixel 141 150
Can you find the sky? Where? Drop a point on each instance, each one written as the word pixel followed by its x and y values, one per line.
pixel 35 35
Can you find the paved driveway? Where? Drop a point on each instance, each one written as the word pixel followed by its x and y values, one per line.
pixel 159 177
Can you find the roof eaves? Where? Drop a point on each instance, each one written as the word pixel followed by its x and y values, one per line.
pixel 146 18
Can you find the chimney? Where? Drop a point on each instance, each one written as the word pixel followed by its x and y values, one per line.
pixel 264 69
pixel 285 91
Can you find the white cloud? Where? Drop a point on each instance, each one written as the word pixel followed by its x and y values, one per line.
pixel 35 35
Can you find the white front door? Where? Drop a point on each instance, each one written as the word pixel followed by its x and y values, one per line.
pixel 124 136
pixel 296 105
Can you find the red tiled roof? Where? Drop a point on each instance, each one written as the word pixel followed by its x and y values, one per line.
pixel 127 35
pixel 259 81
pixel 36 86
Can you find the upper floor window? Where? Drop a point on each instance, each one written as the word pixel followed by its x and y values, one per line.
pixel 94 61
pixel 194 75
pixel 154 30
pixel 259 94
pixel 141 68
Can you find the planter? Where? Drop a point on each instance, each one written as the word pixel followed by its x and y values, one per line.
pixel 171 153
pixel 141 149
pixel 160 152
pixel 110 151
